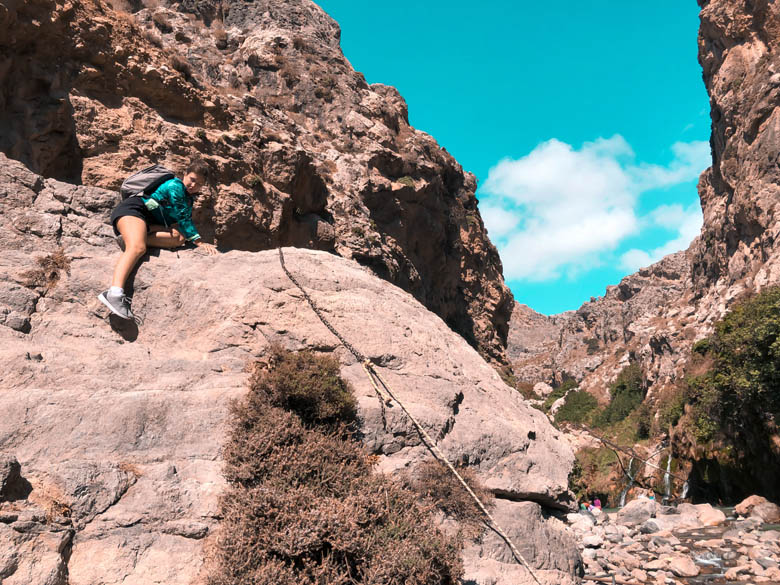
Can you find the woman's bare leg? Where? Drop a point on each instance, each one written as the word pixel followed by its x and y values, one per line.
pixel 133 230
pixel 162 237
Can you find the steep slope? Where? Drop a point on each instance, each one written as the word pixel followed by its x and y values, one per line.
pixel 304 151
pixel 118 427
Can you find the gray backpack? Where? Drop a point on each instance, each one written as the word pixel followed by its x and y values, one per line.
pixel 146 181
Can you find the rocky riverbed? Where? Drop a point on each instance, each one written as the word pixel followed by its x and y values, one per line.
pixel 646 542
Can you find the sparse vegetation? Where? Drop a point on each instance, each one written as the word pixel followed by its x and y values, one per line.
pixel 153 38
pixel 48 271
pixel 220 36
pixel 300 44
pixel 181 65
pixel 161 22
pixel 527 390
pixel 559 392
pixel 627 393
pixel 577 408
pixel 440 488
pixel 254 181
pixel 288 73
pixel 406 181
pixel 303 505
pixel 593 345
pixel 325 88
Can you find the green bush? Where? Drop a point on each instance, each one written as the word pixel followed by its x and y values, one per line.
pixel 670 411
pixel 592 343
pixel 738 396
pixel 627 393
pixel 746 348
pixel 559 392
pixel 593 474
pixel 303 505
pixel 577 407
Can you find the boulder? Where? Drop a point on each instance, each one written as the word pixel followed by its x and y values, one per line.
pixel 636 512
pixel 592 540
pixel 696 515
pixel 542 389
pixel 767 511
pixel 548 546
pixel 746 506
pixel 682 566
pixel 759 507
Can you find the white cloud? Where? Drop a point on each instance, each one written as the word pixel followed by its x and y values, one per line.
pixel 687 223
pixel 690 159
pixel 559 210
pixel 502 222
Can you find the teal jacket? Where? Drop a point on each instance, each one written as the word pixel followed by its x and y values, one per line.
pixel 171 204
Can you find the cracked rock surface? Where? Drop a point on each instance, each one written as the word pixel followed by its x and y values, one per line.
pixel 118 427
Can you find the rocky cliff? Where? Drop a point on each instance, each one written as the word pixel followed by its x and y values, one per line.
pixel 118 427
pixel 655 315
pixel 304 151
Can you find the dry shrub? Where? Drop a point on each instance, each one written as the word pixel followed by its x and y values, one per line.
pixel 307 384
pixel 131 469
pixel 289 74
pixel 300 44
pixel 50 498
pixel 303 505
pixel 153 38
pixel 181 65
pixel 161 22
pixel 47 273
pixel 220 35
pixel 437 485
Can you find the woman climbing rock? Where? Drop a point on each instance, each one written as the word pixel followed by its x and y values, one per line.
pixel 162 219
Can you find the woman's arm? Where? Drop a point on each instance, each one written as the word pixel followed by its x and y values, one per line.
pixel 181 209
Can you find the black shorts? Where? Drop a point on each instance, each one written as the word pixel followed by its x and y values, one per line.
pixel 131 206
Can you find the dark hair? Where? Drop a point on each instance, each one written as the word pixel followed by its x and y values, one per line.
pixel 199 167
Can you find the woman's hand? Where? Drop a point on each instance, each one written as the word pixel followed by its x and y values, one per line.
pixel 210 249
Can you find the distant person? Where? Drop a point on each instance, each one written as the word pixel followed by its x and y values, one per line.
pixel 597 503
pixel 162 219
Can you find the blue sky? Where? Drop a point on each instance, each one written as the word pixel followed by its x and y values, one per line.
pixel 586 124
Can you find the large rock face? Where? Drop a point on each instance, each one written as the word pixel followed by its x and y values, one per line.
pixel 655 315
pixel 118 427
pixel 304 152
pixel 651 317
pixel 738 43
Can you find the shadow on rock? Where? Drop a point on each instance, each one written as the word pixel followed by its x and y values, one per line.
pixel 126 328
pixel 12 485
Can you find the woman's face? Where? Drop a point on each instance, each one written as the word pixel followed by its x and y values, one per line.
pixel 193 183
